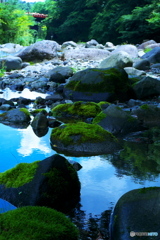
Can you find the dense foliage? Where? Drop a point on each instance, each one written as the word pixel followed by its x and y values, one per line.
pixel 82 20
pixel 103 20
pixel 15 24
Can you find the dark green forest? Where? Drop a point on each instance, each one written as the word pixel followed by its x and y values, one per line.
pixel 81 20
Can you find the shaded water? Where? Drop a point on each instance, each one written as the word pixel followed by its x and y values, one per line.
pixel 104 179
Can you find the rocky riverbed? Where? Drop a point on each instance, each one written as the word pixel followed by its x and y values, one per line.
pixel 114 88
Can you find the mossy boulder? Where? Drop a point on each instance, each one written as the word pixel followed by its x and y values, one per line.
pixel 80 139
pixel 16 117
pixel 40 124
pixel 52 182
pixel 36 223
pixel 149 115
pixel 137 211
pixel 117 121
pixel 78 111
pixel 93 84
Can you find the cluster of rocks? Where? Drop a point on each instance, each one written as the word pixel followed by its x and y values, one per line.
pixel 123 84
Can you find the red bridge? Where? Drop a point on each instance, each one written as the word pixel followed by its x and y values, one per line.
pixel 37 15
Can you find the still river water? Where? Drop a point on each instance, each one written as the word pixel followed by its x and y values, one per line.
pixel 104 179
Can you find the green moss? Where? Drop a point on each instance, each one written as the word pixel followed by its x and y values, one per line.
pixel 103 103
pixel 84 132
pixel 62 185
pixel 131 119
pixel 25 110
pixel 147 50
pixel 19 175
pixel 34 112
pixel 145 107
pixel 99 117
pixel 113 81
pixel 36 223
pixel 145 190
pixel 77 111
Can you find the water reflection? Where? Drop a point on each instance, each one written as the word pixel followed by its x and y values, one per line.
pixel 104 179
pixel 30 142
pixel 26 93
pixel 5 206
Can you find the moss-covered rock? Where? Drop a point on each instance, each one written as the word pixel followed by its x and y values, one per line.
pixel 149 115
pixel 19 116
pixel 19 175
pixel 97 85
pixel 36 223
pixel 52 182
pixel 78 111
pixel 137 211
pixel 83 139
pixel 117 121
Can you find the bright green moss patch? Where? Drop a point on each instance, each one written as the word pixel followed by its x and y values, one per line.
pixel 77 111
pixel 145 107
pixel 99 117
pixel 19 175
pixel 34 112
pixel 36 223
pixel 103 103
pixel 83 131
pixel 25 110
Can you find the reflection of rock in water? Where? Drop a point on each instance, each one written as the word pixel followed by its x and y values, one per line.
pixel 140 158
pixel 91 227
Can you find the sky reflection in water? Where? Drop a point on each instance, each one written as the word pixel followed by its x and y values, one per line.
pixel 100 184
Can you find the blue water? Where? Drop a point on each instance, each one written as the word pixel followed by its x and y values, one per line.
pixel 102 183
pixel 101 186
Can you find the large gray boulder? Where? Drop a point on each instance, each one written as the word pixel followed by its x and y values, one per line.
pixel 117 121
pixel 137 213
pixel 11 63
pixel 86 53
pixel 39 51
pixel 147 87
pixel 60 74
pixel 128 48
pixel 153 56
pixel 119 59
pixel 94 84
pixel 52 182
pixel 146 44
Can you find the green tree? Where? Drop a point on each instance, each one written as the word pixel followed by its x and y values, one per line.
pixel 142 23
pixel 69 20
pixel 14 25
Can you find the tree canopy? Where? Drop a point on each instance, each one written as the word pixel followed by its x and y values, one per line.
pixel 103 20
pixel 14 24
pixel 82 20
